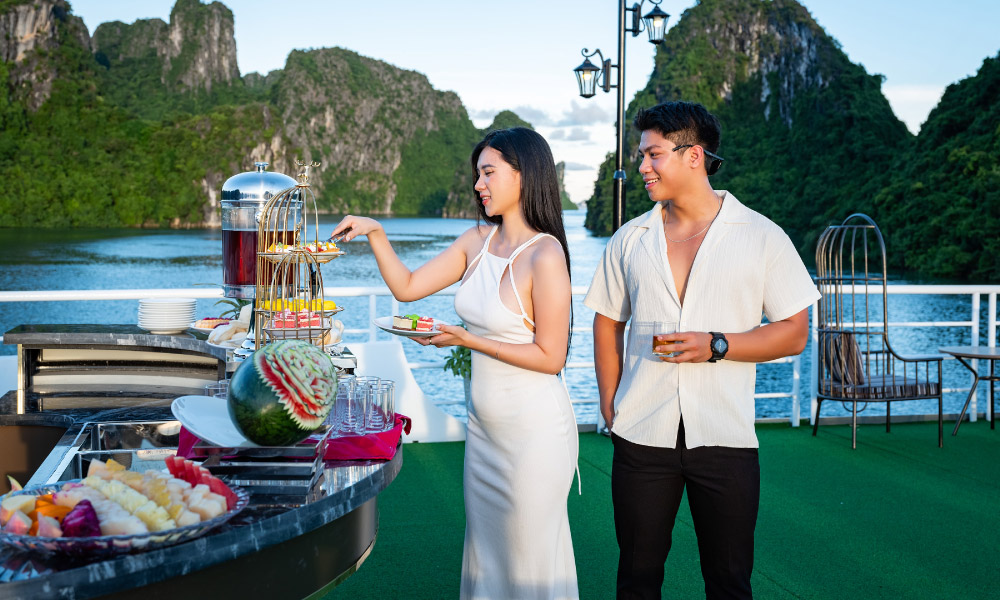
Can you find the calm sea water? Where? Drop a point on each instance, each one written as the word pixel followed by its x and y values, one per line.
pixel 123 259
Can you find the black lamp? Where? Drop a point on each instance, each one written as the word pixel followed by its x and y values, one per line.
pixel 587 74
pixel 656 25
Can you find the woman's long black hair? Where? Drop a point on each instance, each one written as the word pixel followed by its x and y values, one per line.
pixel 528 153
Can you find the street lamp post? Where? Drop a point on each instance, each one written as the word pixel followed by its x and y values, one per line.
pixel 588 76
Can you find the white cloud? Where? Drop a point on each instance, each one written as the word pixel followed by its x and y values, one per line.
pixel 576 166
pixel 912 103
pixel 587 114
pixel 578 134
pixel 533 115
pixel 486 114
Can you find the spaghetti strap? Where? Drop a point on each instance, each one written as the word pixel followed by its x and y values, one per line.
pixel 510 266
pixel 481 252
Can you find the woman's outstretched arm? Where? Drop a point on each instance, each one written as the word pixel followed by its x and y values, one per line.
pixel 406 286
pixel 551 295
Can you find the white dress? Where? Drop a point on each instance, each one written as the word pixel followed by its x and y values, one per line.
pixel 520 455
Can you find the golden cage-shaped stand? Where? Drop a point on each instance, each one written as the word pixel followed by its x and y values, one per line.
pixel 289 301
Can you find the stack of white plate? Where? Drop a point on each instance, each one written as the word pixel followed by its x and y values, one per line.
pixel 166 315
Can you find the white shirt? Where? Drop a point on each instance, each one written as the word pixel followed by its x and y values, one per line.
pixel 746 266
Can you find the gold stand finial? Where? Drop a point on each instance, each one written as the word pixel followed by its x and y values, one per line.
pixel 303 177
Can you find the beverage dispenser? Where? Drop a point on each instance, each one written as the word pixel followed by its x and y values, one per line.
pixel 243 198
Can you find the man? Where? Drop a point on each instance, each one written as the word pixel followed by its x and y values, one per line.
pixel 703 261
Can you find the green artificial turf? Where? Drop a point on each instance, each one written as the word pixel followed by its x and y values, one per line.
pixel 896 518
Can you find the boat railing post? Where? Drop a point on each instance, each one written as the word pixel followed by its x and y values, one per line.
pixel 991 330
pixel 796 379
pixel 975 363
pixel 814 364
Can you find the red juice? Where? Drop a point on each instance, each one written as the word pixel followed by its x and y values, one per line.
pixel 239 257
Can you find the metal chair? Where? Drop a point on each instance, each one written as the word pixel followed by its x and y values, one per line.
pixel 856 362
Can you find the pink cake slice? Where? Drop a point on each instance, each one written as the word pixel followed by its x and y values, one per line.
pixel 309 319
pixel 425 324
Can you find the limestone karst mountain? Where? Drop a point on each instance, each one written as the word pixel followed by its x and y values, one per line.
pixel 806 133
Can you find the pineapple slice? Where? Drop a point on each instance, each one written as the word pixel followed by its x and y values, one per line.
pixel 112 465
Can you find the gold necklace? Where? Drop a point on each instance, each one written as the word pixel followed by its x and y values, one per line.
pixel 697 234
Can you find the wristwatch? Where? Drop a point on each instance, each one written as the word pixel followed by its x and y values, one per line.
pixel 719 346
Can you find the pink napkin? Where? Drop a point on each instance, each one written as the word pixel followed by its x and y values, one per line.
pixel 373 446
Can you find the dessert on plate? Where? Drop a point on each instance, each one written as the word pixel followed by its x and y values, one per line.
pixel 412 322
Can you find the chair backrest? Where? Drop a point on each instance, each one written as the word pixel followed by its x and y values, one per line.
pixel 852 313
pixel 429 422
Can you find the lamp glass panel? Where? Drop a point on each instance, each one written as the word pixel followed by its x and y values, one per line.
pixel 587 81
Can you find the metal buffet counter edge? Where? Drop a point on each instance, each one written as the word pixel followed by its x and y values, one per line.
pixel 105 391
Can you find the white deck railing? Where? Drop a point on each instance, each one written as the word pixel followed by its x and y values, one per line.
pixel 374 292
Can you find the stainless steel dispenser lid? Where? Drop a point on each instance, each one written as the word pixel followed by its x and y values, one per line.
pixel 255 186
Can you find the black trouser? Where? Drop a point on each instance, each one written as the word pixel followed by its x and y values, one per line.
pixel 723 488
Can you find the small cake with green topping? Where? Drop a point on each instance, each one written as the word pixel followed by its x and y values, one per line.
pixel 405 322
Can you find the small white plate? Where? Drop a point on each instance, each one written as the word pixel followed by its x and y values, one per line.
pixel 208 418
pixel 385 324
pixel 156 330
pixel 226 345
pixel 206 329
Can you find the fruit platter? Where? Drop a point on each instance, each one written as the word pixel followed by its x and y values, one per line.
pixel 115 511
pixel 320 252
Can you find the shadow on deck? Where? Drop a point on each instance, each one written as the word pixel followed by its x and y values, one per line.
pixel 896 518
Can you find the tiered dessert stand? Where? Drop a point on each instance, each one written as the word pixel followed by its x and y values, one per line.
pixel 290 302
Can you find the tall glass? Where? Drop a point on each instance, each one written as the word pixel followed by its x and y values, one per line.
pixel 219 389
pixel 363 396
pixel 343 418
pixel 389 405
pixel 380 414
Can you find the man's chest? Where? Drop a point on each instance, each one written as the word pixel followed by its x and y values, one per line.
pixel 725 266
pixel 680 258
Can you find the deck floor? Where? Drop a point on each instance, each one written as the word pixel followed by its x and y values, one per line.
pixel 896 518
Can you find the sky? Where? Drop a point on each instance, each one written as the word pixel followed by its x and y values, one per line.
pixel 520 54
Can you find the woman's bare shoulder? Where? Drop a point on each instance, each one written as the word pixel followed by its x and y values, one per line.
pixel 472 238
pixel 548 252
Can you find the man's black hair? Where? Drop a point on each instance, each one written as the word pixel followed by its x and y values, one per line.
pixel 682 122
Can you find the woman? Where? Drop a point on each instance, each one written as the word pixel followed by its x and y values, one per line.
pixel 521 446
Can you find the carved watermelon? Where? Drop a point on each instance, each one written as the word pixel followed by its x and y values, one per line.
pixel 282 392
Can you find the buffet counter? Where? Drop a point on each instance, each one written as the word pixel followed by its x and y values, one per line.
pixel 290 542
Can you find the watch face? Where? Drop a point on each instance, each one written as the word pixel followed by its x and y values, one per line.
pixel 719 345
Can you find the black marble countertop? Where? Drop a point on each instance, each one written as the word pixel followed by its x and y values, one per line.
pixel 269 520
pixel 50 336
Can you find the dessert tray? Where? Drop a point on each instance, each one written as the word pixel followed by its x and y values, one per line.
pixel 111 545
pixel 297 333
pixel 302 256
pixel 385 324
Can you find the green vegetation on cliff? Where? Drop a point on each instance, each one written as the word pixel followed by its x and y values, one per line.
pixel 506 119
pixel 144 130
pixel 809 139
pixel 806 134
pixel 941 207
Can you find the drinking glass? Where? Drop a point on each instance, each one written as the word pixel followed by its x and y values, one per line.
pixel 363 397
pixel 381 412
pixel 663 328
pixel 344 416
pixel 219 389
pixel 376 417
pixel 389 405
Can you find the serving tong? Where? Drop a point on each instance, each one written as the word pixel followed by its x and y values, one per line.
pixel 337 238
